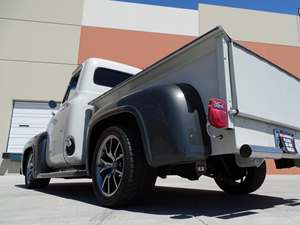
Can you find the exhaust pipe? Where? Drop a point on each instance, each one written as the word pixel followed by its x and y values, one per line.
pixel 256 151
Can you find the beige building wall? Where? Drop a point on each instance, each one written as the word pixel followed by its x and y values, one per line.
pixel 39 42
pixel 49 11
pixel 251 25
pixel 34 41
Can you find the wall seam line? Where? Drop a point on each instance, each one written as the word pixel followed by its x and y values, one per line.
pixel 41 62
pixel 44 22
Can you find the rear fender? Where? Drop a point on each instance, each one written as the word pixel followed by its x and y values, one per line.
pixel 171 120
pixel 174 121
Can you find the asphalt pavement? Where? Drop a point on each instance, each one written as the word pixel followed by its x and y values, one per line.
pixel 174 201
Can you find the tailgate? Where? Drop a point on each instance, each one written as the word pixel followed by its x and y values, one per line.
pixel 267 99
pixel 265 92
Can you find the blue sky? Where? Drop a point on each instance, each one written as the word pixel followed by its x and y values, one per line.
pixel 279 6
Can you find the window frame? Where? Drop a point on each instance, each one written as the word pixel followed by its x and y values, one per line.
pixel 75 76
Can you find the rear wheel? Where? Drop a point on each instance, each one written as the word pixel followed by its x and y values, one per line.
pixel 248 180
pixel 30 181
pixel 120 172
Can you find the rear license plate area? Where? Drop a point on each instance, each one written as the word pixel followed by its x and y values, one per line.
pixel 285 141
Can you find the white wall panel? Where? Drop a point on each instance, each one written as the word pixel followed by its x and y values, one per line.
pixel 251 25
pixel 140 17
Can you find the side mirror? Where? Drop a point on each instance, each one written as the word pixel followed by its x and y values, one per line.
pixel 52 104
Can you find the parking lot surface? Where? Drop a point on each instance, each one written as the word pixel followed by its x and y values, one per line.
pixel 174 201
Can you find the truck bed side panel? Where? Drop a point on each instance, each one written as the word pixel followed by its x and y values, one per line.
pixel 200 65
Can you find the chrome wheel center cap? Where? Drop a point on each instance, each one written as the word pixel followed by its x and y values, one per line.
pixel 115 164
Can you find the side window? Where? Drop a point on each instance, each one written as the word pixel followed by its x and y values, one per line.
pixel 108 77
pixel 71 88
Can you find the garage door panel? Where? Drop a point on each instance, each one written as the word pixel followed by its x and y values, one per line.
pixel 15 149
pixel 31 111
pixel 28 125
pixel 27 130
pixel 18 141
pixel 32 115
pixel 27 136
pixel 30 120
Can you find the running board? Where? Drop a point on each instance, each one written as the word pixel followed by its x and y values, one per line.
pixel 64 174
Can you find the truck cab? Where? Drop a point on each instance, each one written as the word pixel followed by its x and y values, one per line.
pixel 91 79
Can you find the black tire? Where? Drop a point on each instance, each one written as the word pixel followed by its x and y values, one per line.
pixel 252 180
pixel 138 178
pixel 31 182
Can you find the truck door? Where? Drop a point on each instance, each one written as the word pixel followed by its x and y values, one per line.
pixel 57 126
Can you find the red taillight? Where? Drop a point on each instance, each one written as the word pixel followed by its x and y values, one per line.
pixel 217 113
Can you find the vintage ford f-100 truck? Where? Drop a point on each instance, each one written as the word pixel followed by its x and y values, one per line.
pixel 210 108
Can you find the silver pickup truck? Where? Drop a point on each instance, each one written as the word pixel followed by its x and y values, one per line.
pixel 210 108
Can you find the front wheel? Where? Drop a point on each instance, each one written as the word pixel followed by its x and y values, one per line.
pixel 250 180
pixel 30 181
pixel 120 172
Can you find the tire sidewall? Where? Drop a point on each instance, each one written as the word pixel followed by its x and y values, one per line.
pixel 127 166
pixel 253 180
pixel 28 179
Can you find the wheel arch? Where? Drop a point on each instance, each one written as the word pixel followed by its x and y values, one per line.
pixel 25 156
pixel 34 146
pixel 195 102
pixel 125 116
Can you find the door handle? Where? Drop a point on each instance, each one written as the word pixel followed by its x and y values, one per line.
pixel 65 105
pixel 23 125
pixel 54 121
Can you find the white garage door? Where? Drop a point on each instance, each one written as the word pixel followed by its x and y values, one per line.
pixel 28 119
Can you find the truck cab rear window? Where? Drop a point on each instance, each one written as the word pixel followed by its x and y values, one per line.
pixel 109 78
